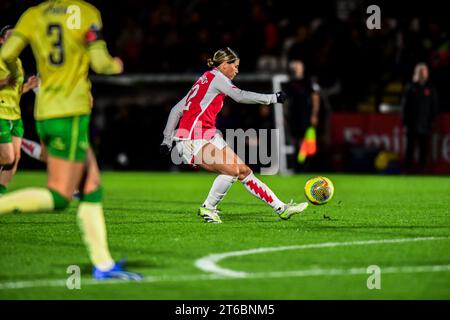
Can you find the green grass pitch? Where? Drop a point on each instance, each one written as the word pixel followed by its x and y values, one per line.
pixel 151 221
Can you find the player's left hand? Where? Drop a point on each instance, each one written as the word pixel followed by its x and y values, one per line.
pixel 165 149
pixel 119 63
pixel 281 97
pixel 32 82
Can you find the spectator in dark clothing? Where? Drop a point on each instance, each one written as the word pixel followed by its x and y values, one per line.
pixel 303 103
pixel 419 109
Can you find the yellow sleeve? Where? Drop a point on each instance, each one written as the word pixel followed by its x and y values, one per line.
pixel 3 71
pixel 26 25
pixel 97 18
pixel 101 60
pixel 10 51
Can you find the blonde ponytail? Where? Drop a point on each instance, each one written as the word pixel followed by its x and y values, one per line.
pixel 210 63
pixel 221 56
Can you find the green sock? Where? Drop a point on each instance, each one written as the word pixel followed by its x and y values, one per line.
pixel 3 189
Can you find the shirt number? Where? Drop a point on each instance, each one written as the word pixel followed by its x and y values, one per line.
pixel 191 96
pixel 56 56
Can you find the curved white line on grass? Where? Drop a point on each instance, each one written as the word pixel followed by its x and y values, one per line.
pixel 210 262
pixel 61 283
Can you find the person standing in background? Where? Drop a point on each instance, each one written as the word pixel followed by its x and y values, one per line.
pixel 303 103
pixel 419 109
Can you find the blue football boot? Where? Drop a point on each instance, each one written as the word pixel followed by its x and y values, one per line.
pixel 116 272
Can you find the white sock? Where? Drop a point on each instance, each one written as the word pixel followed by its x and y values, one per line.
pixel 32 148
pixel 105 266
pixel 91 221
pixel 263 192
pixel 218 190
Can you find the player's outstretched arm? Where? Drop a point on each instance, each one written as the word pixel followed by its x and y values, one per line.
pixel 241 96
pixel 18 40
pixel 101 60
pixel 10 51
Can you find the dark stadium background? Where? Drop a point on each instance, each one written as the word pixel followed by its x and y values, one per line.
pixel 176 37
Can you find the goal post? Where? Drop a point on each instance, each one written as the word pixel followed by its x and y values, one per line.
pixel 283 148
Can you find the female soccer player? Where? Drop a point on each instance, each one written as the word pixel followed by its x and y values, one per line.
pixel 64 51
pixel 11 126
pixel 198 143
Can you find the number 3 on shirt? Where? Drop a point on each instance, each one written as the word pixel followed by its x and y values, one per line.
pixel 56 57
pixel 191 95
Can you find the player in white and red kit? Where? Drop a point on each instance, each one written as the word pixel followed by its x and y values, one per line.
pixel 199 144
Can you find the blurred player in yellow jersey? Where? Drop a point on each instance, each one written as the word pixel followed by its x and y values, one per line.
pixel 11 126
pixel 65 36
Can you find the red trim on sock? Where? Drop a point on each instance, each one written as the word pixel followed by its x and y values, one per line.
pixel 28 146
pixel 259 191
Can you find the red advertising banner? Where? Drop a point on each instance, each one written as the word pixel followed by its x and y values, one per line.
pixel 384 132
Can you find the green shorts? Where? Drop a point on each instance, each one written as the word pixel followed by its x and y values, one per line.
pixel 10 128
pixel 66 138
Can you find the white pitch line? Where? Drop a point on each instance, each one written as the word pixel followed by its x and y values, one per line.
pixel 61 283
pixel 232 275
pixel 210 262
pixel 345 272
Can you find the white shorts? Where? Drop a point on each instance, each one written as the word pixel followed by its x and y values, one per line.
pixel 187 149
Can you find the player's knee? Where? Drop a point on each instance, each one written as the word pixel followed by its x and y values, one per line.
pixel 244 171
pixel 7 167
pixel 17 157
pixel 7 160
pixel 232 170
pixel 60 202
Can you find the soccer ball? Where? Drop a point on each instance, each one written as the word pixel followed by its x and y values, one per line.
pixel 319 190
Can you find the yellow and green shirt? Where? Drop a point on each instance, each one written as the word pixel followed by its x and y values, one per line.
pixel 10 95
pixel 65 38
